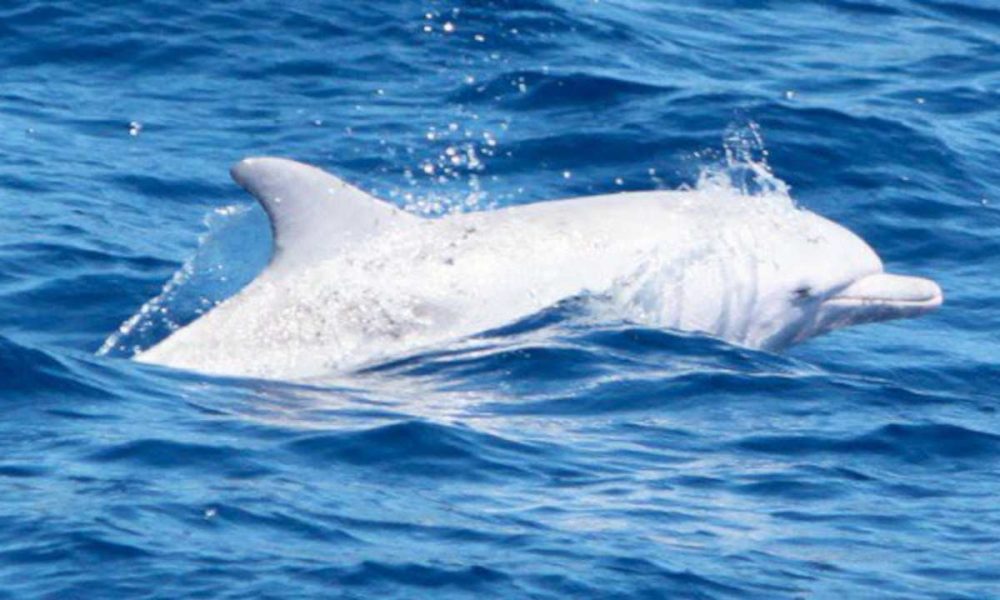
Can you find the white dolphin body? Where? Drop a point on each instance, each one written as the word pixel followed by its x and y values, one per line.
pixel 353 279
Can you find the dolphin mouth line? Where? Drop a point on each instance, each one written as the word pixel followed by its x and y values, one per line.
pixel 869 300
pixel 888 290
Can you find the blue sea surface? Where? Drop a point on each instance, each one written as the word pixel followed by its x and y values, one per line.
pixel 555 457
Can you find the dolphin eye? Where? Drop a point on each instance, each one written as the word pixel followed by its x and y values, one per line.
pixel 802 293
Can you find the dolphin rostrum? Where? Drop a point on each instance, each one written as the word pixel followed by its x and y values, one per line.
pixel 353 279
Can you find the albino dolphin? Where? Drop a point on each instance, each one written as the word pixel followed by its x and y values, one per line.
pixel 353 279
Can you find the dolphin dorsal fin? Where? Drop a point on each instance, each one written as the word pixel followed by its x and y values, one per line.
pixel 313 214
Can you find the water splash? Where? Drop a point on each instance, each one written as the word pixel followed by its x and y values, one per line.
pixel 743 166
pixel 202 282
pixel 456 156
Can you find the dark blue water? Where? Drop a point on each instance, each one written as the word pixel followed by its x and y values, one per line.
pixel 549 459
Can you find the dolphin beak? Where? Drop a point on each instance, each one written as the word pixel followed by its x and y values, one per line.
pixel 883 296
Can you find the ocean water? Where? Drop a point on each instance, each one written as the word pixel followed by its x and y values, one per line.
pixel 555 457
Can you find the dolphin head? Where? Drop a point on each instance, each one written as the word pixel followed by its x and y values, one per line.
pixel 824 277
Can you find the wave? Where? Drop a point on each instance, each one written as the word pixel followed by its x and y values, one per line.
pixel 29 373
pixel 426 449
pixel 545 90
pixel 908 443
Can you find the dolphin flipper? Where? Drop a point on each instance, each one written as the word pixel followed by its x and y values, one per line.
pixel 312 213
